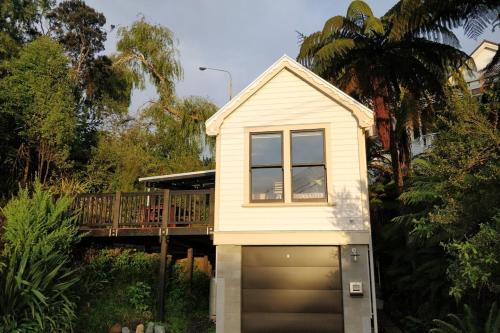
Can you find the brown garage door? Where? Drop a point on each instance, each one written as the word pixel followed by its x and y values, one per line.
pixel 291 289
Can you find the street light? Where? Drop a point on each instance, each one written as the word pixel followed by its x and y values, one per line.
pixel 227 72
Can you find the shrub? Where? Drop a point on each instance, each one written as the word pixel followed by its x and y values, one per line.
pixel 35 278
pixel 139 295
pixel 120 286
pixel 469 322
pixel 117 286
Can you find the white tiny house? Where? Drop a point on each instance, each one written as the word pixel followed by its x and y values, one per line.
pixel 291 225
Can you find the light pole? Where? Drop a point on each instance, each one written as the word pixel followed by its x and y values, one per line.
pixel 228 73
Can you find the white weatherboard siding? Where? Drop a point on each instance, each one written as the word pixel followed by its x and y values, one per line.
pixel 288 100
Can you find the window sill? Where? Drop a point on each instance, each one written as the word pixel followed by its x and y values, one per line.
pixel 288 204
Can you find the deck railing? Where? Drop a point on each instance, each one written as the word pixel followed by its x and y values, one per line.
pixel 190 208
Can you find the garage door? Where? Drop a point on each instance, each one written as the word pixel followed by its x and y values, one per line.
pixel 291 289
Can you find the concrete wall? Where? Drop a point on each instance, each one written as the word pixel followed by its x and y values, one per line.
pixel 357 310
pixel 228 281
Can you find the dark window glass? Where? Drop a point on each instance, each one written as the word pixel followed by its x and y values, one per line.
pixel 266 169
pixel 309 182
pixel 267 184
pixel 308 165
pixel 266 149
pixel 307 147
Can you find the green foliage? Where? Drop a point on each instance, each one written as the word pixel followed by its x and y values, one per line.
pixel 469 322
pixel 35 278
pixel 155 143
pixel 455 188
pixel 449 217
pixel 364 56
pixel 476 260
pixel 20 20
pixel 139 295
pixel 150 51
pixel 36 97
pixel 187 304
pixel 120 158
pixel 119 286
pixel 168 135
pixel 420 16
pixel 79 28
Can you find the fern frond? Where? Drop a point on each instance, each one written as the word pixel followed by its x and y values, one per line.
pixel 333 25
pixel 338 47
pixel 373 24
pixel 358 9
pixel 444 327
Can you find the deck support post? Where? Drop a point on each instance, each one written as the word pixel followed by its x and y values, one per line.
pixel 162 278
pixel 189 266
pixel 163 255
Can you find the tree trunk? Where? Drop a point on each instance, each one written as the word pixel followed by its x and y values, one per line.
pixel 404 148
pixel 382 121
pixel 395 161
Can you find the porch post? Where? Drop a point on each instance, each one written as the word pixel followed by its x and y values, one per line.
pixel 163 255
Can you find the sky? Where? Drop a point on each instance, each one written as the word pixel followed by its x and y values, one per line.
pixel 241 36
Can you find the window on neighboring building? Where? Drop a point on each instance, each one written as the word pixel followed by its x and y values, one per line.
pixel 308 165
pixel 266 166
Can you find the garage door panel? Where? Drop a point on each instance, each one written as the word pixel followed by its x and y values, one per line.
pixel 291 323
pixel 292 301
pixel 315 278
pixel 312 256
pixel 291 289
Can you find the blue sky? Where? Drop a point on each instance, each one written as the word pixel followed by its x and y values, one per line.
pixel 244 37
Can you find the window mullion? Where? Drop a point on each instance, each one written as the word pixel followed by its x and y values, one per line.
pixel 287 165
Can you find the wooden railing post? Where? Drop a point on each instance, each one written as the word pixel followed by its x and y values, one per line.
pixel 116 212
pixel 163 254
pixel 212 208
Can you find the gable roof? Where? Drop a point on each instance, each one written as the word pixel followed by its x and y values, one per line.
pixel 363 114
pixel 484 45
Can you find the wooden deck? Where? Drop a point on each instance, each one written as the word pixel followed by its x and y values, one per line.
pixel 191 212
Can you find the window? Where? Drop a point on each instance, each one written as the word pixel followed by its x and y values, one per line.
pixel 308 165
pixel 266 166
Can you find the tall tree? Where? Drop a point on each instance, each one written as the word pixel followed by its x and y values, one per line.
pixel 154 143
pixel 36 95
pixel 101 90
pixel 149 52
pixel 80 29
pixel 363 56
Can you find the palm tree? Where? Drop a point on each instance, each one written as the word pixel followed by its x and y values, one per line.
pixel 367 58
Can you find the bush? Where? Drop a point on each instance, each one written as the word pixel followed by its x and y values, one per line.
pixel 469 322
pixel 35 278
pixel 119 286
